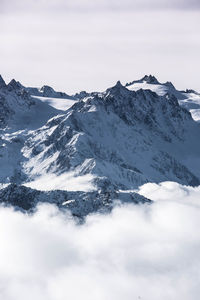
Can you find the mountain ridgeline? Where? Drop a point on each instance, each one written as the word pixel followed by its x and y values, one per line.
pixel 84 151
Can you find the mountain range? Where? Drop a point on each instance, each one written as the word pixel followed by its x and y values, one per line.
pixel 89 150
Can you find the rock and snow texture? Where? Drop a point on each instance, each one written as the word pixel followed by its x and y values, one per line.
pixel 96 143
pixel 79 203
pixel 20 111
pixel 188 99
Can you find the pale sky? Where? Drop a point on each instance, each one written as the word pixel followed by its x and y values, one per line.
pixel 96 4
pixel 90 44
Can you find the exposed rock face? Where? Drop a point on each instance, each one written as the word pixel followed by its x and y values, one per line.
pixel 14 85
pixel 2 82
pixel 79 203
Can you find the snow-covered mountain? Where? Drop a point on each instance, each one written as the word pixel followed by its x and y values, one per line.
pixel 85 148
pixel 188 99
pixel 19 110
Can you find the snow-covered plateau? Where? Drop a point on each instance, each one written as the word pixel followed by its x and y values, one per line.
pixel 87 151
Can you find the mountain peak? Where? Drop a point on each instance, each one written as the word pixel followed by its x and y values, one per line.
pixel 118 91
pixel 46 88
pixel 117 87
pixel 118 84
pixel 2 82
pixel 169 84
pixel 150 79
pixel 14 85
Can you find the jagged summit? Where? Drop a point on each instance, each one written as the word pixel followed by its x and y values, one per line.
pixel 191 91
pixel 117 89
pixel 81 95
pixel 118 84
pixel 14 85
pixel 169 84
pixel 150 79
pixel 47 90
pixel 2 82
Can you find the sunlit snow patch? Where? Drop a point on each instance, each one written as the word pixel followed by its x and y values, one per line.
pixel 65 182
pixel 159 89
pixel 58 103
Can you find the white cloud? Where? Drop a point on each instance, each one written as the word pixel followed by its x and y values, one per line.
pixel 138 252
pixel 170 190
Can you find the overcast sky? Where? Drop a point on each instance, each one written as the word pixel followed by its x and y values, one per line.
pixel 90 44
pixel 96 4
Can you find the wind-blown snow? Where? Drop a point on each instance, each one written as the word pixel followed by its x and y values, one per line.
pixel 66 182
pixel 58 103
pixel 161 90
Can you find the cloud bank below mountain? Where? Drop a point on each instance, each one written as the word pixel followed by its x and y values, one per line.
pixel 137 252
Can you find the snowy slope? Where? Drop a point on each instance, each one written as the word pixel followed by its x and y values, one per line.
pixel 192 103
pixel 61 104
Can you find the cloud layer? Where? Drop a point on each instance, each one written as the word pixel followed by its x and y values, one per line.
pixel 138 252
